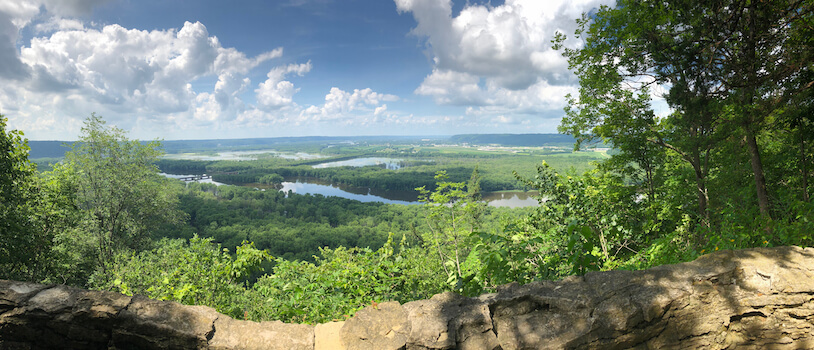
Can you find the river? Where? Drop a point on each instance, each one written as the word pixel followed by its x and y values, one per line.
pixel 242 155
pixel 387 163
pixel 363 194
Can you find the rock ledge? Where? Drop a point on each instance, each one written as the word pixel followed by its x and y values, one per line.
pixel 750 299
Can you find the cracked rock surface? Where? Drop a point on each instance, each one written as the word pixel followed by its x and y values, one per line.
pixel 747 299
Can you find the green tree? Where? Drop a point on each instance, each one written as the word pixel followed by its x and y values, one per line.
pixel 453 217
pixel 726 64
pixel 272 179
pixel 119 191
pixel 20 239
pixel 617 68
pixel 593 215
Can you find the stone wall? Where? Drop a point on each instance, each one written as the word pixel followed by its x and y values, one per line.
pixel 751 299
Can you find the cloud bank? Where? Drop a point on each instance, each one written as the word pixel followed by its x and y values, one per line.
pixel 491 69
pixel 150 82
pixel 498 60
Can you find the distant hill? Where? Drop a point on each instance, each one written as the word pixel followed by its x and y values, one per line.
pixel 57 149
pixel 525 140
pixel 48 149
pixel 179 146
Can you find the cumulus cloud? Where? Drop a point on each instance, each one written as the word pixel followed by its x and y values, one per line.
pixel 16 14
pixel 276 93
pixel 125 74
pixel 497 59
pixel 381 110
pixel 349 106
pixel 57 23
pixel 343 112
pixel 70 7
pixel 11 67
pixel 149 70
pixel 150 80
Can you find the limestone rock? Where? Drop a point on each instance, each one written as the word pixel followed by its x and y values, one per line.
pixel 235 334
pixel 383 326
pixel 327 336
pixel 154 324
pixel 449 321
pixel 56 316
pixel 748 299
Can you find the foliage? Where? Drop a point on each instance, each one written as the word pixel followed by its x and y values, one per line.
pixel 728 168
pixel 119 192
pixel 20 239
pixel 194 273
pixel 721 89
pixel 453 215
pixel 271 179
pixel 343 281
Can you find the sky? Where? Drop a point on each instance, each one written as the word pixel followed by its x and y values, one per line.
pixel 184 69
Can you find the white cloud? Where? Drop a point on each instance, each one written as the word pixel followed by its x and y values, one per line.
pixel 149 82
pixel 124 75
pixel 276 93
pixel 231 60
pixel 16 14
pixel 20 13
pixel 183 81
pixel 228 87
pixel 70 7
pixel 10 65
pixel 342 113
pixel 381 110
pixel 348 106
pixel 452 87
pixel 497 59
pixel 57 23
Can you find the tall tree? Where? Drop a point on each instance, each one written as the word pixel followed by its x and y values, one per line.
pixel 724 63
pixel 119 189
pixel 453 214
pixel 618 67
pixel 18 193
pixel 760 45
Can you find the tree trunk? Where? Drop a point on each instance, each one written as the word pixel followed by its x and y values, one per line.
pixel 703 198
pixel 700 176
pixel 700 184
pixel 804 165
pixel 757 169
pixel 749 121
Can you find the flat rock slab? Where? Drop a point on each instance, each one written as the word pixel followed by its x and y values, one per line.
pixel 275 335
pixel 327 336
pixel 383 326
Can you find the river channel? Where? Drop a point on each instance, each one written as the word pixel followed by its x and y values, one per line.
pixel 363 194
pixel 308 185
pixel 387 163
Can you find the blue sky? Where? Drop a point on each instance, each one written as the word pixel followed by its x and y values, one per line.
pixel 186 69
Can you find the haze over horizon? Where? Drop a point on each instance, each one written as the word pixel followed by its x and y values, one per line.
pixel 180 70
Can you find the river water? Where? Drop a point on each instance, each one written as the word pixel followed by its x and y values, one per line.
pixel 242 155
pixel 387 163
pixel 316 186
